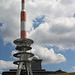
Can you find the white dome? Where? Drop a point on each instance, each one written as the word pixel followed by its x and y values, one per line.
pixel 35 57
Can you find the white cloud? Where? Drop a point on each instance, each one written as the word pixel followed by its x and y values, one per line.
pixel 73 69
pixel 12 53
pixel 6 65
pixel 57 30
pixel 10 17
pixel 48 55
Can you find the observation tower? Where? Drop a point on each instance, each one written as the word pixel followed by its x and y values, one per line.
pixel 23 46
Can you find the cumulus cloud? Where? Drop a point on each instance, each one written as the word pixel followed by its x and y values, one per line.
pixel 59 32
pixel 48 55
pixel 73 69
pixel 58 28
pixel 12 53
pixel 9 16
pixel 6 65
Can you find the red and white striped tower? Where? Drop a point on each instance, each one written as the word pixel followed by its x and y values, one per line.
pixel 23 20
pixel 23 45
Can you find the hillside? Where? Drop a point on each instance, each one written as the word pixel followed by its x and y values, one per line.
pixel 66 74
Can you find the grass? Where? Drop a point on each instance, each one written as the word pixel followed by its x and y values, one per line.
pixel 66 74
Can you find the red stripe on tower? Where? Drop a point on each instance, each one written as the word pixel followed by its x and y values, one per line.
pixel 23 16
pixel 23 34
pixel 23 20
pixel 23 1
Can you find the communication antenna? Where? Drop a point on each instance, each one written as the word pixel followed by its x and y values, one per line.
pixel 23 45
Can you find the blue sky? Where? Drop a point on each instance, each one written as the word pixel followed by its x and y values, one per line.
pixel 50 23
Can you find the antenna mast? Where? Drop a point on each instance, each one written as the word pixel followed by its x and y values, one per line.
pixel 23 45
